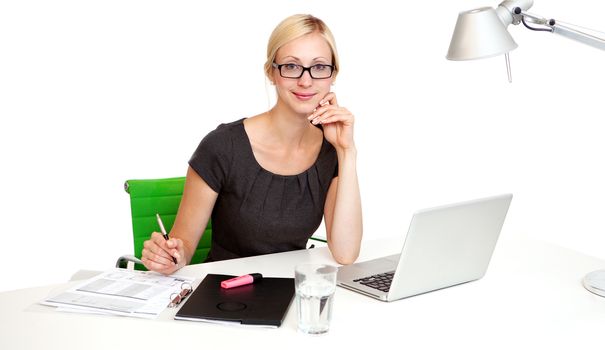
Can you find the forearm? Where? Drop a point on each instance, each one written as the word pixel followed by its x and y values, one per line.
pixel 189 227
pixel 347 227
pixel 194 212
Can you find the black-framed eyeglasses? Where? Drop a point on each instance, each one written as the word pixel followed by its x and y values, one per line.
pixel 295 71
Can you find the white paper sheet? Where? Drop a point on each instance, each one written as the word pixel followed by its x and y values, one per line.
pixel 121 292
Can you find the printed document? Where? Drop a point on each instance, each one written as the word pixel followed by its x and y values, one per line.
pixel 122 292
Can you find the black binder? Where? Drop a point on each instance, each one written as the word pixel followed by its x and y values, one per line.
pixel 264 302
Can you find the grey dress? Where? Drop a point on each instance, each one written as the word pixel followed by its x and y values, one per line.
pixel 259 212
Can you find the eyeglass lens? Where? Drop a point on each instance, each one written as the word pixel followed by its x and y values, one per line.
pixel 318 71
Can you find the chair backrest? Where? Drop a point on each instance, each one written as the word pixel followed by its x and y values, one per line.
pixel 162 196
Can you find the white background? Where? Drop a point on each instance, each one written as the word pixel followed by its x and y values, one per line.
pixel 96 92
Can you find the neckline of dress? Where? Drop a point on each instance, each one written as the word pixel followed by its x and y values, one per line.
pixel 249 148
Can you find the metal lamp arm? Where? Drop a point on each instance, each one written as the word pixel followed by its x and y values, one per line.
pixel 560 29
pixel 577 35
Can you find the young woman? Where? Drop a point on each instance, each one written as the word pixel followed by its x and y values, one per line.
pixel 268 180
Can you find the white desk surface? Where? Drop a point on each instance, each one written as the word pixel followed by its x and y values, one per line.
pixel 531 297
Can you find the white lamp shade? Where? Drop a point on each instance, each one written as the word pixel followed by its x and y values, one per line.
pixel 479 34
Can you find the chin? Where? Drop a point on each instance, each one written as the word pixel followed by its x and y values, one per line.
pixel 303 108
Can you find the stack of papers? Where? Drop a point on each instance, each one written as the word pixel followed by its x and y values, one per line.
pixel 122 292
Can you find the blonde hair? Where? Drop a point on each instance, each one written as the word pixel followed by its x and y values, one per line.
pixel 292 28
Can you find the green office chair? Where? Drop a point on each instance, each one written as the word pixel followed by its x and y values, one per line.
pixel 162 196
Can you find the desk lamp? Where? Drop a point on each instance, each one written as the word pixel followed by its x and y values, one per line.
pixel 482 33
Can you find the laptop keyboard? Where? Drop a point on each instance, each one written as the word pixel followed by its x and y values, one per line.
pixel 380 281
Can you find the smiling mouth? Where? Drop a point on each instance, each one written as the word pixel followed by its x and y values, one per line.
pixel 303 97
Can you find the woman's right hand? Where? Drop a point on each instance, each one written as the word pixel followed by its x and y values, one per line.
pixel 158 253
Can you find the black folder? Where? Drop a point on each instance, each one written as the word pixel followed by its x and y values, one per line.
pixel 263 303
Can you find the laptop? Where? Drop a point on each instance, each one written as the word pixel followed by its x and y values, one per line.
pixel 445 246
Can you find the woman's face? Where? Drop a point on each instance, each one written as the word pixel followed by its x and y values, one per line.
pixel 302 95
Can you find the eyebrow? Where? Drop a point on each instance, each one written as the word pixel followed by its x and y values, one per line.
pixel 320 58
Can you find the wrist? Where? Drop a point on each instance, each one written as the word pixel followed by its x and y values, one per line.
pixel 349 152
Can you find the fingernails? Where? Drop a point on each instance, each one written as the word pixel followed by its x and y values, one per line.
pixel 312 115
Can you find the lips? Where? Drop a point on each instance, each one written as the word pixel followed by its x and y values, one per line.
pixel 303 96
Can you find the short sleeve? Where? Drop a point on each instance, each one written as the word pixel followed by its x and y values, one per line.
pixel 331 154
pixel 330 160
pixel 335 168
pixel 212 158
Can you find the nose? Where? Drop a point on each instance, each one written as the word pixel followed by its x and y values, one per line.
pixel 305 80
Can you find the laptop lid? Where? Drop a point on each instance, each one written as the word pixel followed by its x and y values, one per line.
pixel 444 246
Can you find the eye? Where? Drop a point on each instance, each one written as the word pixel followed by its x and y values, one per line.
pixel 321 67
pixel 290 67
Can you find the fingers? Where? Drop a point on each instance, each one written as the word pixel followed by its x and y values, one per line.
pixel 334 119
pixel 157 254
pixel 331 114
pixel 330 98
pixel 157 267
pixel 158 245
pixel 328 111
pixel 161 259
pixel 177 250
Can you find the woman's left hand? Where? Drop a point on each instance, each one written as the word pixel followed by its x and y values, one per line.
pixel 337 122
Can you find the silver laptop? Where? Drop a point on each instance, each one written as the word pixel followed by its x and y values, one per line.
pixel 444 247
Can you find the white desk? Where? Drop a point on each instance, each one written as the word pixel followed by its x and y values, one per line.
pixel 531 297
